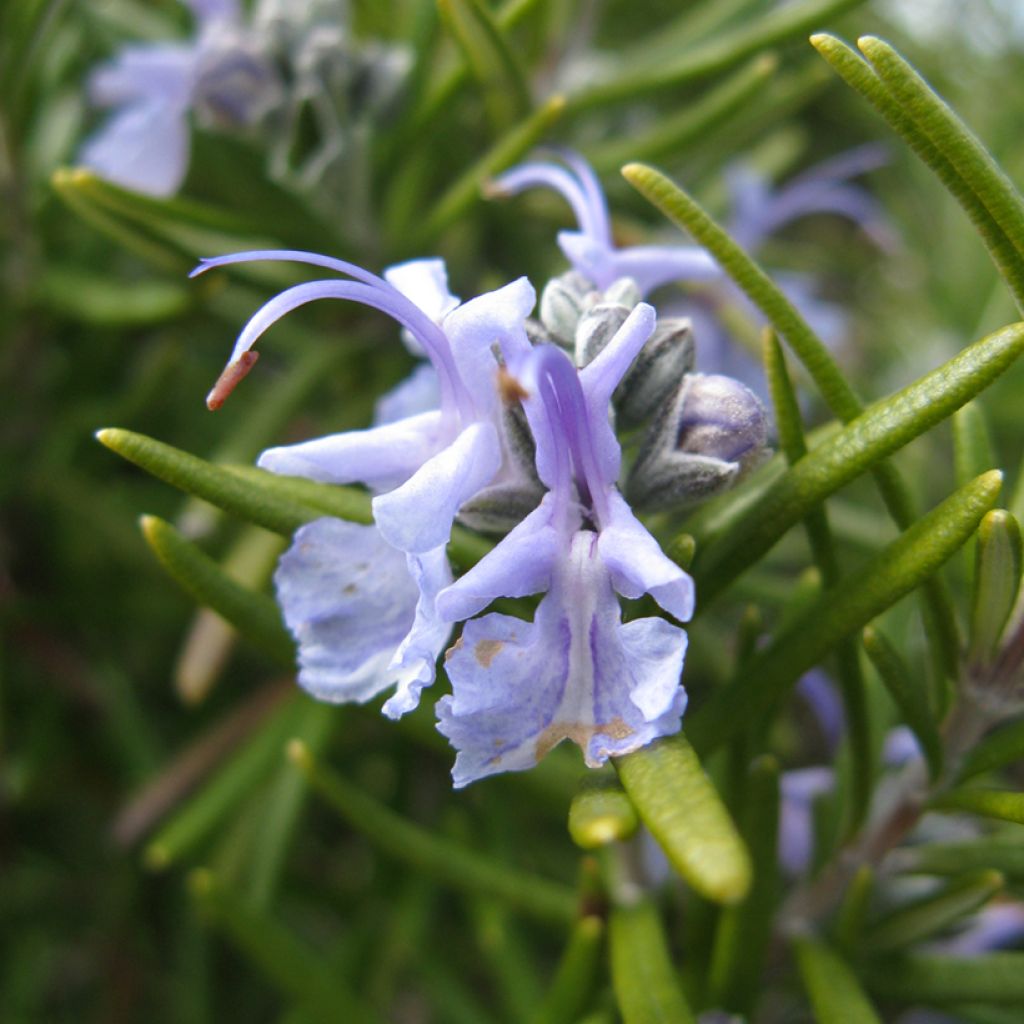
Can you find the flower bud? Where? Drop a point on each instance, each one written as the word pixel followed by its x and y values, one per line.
pixel 596 327
pixel 657 371
pixel 712 432
pixel 562 303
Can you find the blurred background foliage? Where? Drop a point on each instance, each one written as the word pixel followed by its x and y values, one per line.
pixel 138 741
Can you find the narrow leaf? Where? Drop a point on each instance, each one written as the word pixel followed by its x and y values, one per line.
pixel 224 791
pixel 678 803
pixel 601 813
pixel 972 444
pixel 896 570
pixel 466 190
pixel 951 136
pixel 1004 854
pixel 288 963
pixel 491 59
pixel 576 975
pixel 674 133
pixel 997 574
pixel 835 993
pixel 910 696
pixel 925 917
pixel 944 980
pixel 714 56
pixel 1002 804
pixel 444 860
pixel 744 930
pixel 852 912
pixel 880 430
pixel 646 986
pixel 255 615
pixel 1001 747
pixel 859 75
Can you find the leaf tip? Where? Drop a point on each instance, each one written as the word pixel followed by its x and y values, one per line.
pixel 299 754
pixel 201 882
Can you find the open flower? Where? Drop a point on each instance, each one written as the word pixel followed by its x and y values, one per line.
pixel 576 671
pixel 222 73
pixel 360 599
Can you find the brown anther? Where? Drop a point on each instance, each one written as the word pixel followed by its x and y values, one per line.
pixel 229 379
pixel 510 390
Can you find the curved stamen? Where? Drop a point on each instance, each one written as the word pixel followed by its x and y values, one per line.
pixel 383 297
pixel 591 217
pixel 389 300
pixel 599 225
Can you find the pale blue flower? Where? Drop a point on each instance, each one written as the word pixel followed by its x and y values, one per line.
pixel 576 672
pixel 222 73
pixel 360 600
pixel 591 249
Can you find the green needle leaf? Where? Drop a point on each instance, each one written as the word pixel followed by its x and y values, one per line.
pixel 852 912
pixel 1002 804
pixel 679 805
pixel 880 430
pixel 256 616
pixel 601 813
pixel 997 574
pixel 491 59
pixel 908 694
pixel 576 975
pixel 505 152
pixel 995 751
pixel 287 962
pixel 972 444
pixel 951 136
pixel 899 568
pixel 646 984
pixel 674 133
pixel 925 917
pixel 943 980
pixel 859 75
pixel 225 790
pixel 715 56
pixel 996 853
pixel 442 859
pixel 832 987
pixel 744 931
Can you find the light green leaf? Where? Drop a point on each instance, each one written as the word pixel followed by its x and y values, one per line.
pixel 446 861
pixel 288 963
pixel 696 119
pixel 488 54
pixel 880 430
pixel 945 980
pixel 896 570
pixel 997 574
pixel 646 985
pixel 859 75
pixel 714 56
pixel 972 444
pixel 466 190
pixel 935 912
pixel 255 615
pixel 678 803
pixel 1002 804
pixel 909 695
pixel 998 749
pixel 744 930
pixel 952 137
pixel 834 991
pixel 576 975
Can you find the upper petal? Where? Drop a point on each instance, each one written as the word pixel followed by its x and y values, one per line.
pixel 638 565
pixel 424 282
pixel 381 457
pixel 417 516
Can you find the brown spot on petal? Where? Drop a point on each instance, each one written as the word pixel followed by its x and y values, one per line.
pixel 457 646
pixel 486 651
pixel 580 734
pixel 350 589
pixel 510 390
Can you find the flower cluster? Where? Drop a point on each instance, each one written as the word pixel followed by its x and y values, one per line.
pixel 509 426
pixel 286 68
